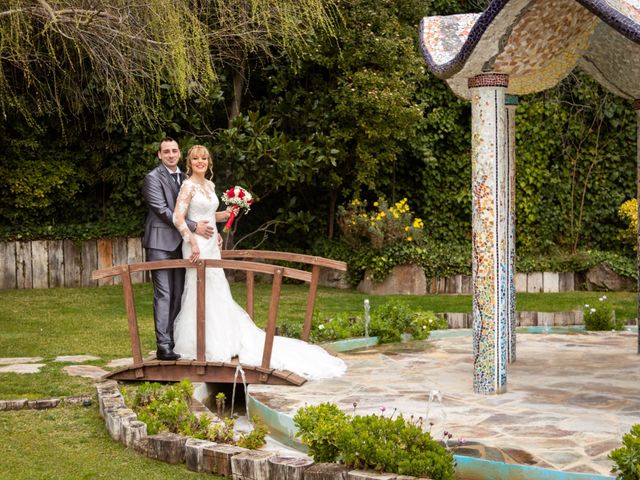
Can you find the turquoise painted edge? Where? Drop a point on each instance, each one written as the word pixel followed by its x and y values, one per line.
pixel 463 332
pixel 351 344
pixel 281 426
pixel 477 468
pixel 363 342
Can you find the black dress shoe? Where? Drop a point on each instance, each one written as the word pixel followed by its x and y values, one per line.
pixel 166 353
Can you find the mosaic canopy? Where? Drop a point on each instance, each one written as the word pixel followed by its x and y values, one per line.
pixel 537 43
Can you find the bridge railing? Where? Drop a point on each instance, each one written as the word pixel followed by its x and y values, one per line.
pixel 251 268
pixel 267 255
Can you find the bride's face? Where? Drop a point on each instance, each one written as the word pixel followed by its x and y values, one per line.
pixel 199 162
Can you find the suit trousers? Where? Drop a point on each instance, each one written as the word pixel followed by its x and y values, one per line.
pixel 167 295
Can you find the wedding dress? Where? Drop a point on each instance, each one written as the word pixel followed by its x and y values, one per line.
pixel 230 332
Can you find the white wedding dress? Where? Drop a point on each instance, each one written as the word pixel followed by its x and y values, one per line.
pixel 230 332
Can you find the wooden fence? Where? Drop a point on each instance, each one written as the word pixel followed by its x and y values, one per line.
pixel 66 263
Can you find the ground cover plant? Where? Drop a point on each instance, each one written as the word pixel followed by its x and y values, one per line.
pixel 167 408
pixel 379 442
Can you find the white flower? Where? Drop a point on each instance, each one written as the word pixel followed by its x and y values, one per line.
pixel 593 310
pixel 586 305
pixel 320 327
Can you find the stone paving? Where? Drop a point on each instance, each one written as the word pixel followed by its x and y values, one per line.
pixel 570 397
pixel 26 365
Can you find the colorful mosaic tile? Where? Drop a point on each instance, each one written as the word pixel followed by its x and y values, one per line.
pixel 618 73
pixel 537 43
pixel 490 258
pixel 446 35
pixel 489 80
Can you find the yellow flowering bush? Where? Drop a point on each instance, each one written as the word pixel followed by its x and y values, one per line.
pixel 628 212
pixel 380 226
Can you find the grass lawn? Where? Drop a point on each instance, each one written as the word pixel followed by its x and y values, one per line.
pixel 71 442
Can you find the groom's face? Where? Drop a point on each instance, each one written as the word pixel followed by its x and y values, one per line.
pixel 169 154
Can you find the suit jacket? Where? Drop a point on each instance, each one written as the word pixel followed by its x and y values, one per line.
pixel 160 192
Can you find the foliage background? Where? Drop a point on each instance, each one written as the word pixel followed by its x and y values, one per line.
pixel 351 113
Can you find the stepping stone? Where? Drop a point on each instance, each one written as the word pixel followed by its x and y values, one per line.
pixel 75 358
pixel 87 371
pixel 14 360
pixel 120 362
pixel 22 368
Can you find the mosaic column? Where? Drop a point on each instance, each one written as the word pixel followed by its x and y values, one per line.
pixel 490 219
pixel 511 102
pixel 636 106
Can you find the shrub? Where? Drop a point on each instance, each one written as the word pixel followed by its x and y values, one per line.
pixel 372 441
pixel 256 437
pixel 601 316
pixel 168 409
pixel 336 327
pixel 319 427
pixel 382 226
pixel 222 432
pixel 392 319
pixel 627 457
pixel 628 212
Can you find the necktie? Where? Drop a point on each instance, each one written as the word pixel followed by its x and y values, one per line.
pixel 176 177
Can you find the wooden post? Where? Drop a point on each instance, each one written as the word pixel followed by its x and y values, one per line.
pixel 200 312
pixel 311 300
pixel 271 322
pixel 250 284
pixel 132 320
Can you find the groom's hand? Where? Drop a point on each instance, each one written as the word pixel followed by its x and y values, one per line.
pixel 203 228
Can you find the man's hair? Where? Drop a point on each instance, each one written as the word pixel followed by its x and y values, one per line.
pixel 165 139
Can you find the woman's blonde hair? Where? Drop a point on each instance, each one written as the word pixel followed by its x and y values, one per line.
pixel 195 150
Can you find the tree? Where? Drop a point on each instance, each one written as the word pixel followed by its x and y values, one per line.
pixel 244 30
pixel 64 55
pixel 353 95
pixel 126 73
pixel 60 56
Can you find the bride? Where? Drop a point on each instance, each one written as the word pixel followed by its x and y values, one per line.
pixel 229 330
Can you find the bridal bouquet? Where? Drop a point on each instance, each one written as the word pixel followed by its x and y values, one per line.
pixel 236 199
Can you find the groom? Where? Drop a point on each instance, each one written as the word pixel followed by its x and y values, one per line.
pixel 163 242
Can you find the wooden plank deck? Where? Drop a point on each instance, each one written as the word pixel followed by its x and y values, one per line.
pixel 153 370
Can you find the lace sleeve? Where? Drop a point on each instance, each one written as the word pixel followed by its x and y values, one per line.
pixel 182 205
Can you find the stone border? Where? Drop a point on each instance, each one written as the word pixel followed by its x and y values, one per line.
pixel 42 404
pixel 210 457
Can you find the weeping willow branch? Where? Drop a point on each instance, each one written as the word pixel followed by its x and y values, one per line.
pixel 66 55
pixel 63 56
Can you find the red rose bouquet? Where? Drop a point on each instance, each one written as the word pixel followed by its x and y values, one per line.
pixel 237 199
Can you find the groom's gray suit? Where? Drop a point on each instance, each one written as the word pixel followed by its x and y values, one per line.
pixel 163 242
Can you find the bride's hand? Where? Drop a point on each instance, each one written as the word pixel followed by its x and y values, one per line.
pixel 195 253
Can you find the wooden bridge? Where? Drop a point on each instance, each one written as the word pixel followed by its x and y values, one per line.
pixel 199 370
